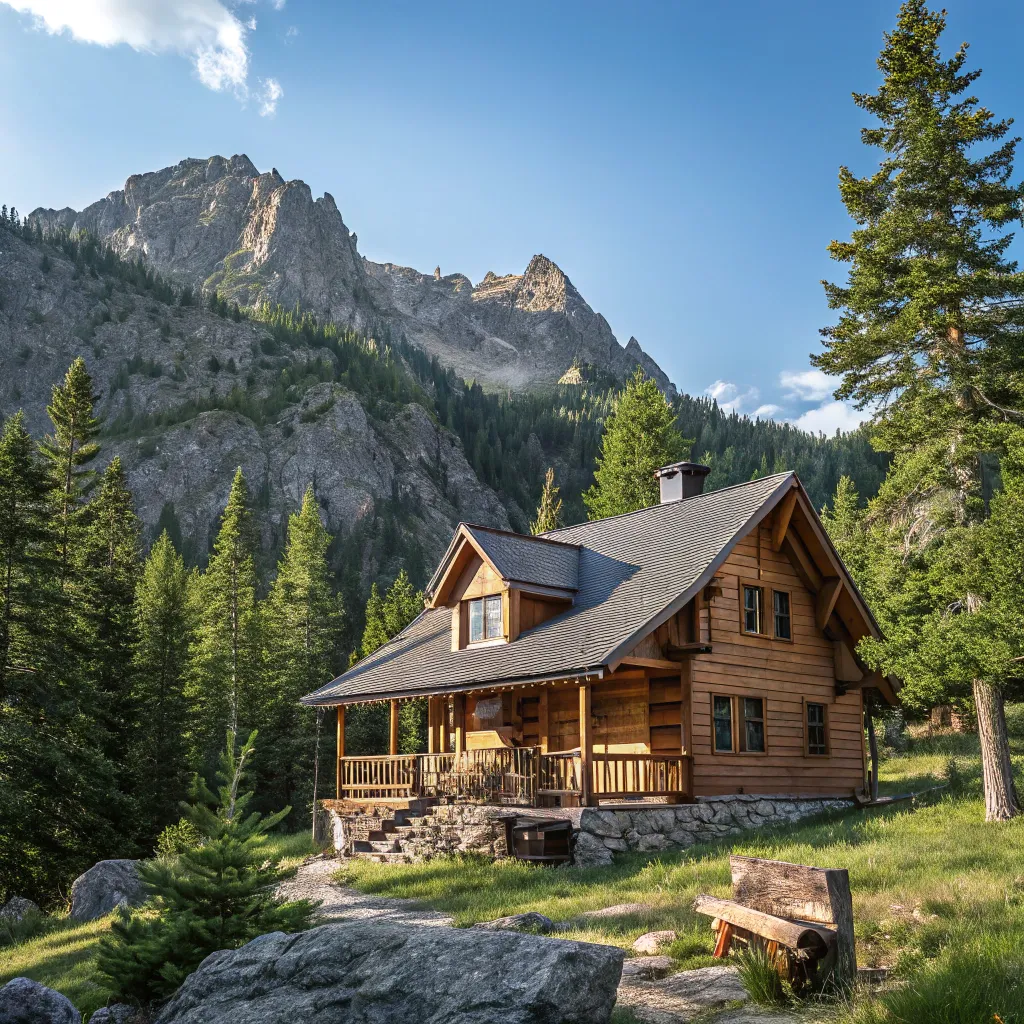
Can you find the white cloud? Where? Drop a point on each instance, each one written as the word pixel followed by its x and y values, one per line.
pixel 721 390
pixel 291 32
pixel 730 398
pixel 279 5
pixel 206 31
pixel 270 93
pixel 808 385
pixel 830 417
pixel 766 412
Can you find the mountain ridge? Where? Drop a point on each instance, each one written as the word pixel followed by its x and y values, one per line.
pixel 218 224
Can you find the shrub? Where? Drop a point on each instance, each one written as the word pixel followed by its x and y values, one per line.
pixel 217 896
pixel 179 838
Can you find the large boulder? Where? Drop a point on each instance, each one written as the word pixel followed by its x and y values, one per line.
pixel 531 921
pixel 17 908
pixel 118 1013
pixel 27 1002
pixel 104 887
pixel 363 972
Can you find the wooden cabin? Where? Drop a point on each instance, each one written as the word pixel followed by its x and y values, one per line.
pixel 704 646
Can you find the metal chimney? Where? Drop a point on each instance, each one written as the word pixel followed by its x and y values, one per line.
pixel 681 480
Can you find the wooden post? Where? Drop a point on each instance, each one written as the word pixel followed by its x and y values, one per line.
pixel 394 728
pixel 341 748
pixel 586 742
pixel 459 707
pixel 872 747
pixel 432 717
pixel 542 719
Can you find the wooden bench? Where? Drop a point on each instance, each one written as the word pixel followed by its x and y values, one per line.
pixel 803 916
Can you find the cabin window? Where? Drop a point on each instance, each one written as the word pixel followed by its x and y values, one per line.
pixel 783 620
pixel 485 619
pixel 817 738
pixel 738 724
pixel 753 598
pixel 723 723
pixel 752 734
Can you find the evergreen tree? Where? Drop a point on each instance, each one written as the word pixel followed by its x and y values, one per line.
pixel 225 673
pixel 925 336
pixel 24 562
pixel 639 437
pixel 110 556
pixel 303 625
pixel 549 511
pixel 844 523
pixel 217 896
pixel 69 450
pixel 164 626
pixel 367 726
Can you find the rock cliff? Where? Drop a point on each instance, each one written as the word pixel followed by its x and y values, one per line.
pixel 221 224
pixel 188 395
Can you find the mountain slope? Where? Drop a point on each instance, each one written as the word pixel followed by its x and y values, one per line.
pixel 219 224
pixel 188 395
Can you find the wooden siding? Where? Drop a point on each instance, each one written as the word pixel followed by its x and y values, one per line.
pixel 785 674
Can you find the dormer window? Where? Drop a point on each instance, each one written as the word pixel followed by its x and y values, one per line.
pixel 485 619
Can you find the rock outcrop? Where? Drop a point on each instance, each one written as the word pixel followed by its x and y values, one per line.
pixel 221 224
pixel 168 377
pixel 17 908
pixel 105 887
pixel 27 1002
pixel 363 972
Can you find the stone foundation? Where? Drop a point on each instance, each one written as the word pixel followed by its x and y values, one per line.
pixel 603 832
pixel 598 832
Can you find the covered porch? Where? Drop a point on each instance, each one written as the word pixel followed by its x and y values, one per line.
pixel 619 737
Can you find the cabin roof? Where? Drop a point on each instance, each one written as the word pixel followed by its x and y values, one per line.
pixel 516 558
pixel 634 571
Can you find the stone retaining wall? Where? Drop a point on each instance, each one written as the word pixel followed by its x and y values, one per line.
pixel 603 832
pixel 464 828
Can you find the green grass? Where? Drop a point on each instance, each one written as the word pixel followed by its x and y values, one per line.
pixel 62 954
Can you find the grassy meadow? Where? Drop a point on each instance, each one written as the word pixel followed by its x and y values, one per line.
pixel 938 895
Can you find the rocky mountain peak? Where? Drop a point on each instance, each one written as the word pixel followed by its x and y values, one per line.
pixel 219 224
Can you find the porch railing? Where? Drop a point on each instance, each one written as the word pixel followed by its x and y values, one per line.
pixel 513 775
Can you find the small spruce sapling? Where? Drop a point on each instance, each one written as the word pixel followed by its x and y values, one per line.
pixel 219 895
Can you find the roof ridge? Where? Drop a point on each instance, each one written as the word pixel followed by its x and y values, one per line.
pixel 519 536
pixel 637 511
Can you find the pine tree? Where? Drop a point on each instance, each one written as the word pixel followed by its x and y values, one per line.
pixel 303 626
pixel 549 511
pixel 367 726
pixel 225 674
pixel 110 556
pixel 164 627
pixel 925 336
pixel 844 523
pixel 639 437
pixel 217 896
pixel 69 450
pixel 24 535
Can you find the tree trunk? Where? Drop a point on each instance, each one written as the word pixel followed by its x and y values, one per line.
pixel 872 747
pixel 1001 800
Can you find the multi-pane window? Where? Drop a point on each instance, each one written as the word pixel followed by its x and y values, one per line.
pixel 783 624
pixel 817 741
pixel 738 724
pixel 485 619
pixel 752 735
pixel 723 723
pixel 753 598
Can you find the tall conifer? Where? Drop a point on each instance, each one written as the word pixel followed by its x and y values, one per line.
pixel 549 511
pixel 639 437
pixel 163 624
pixel 925 335
pixel 224 679
pixel 303 619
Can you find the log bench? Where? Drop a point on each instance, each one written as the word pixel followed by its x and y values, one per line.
pixel 802 916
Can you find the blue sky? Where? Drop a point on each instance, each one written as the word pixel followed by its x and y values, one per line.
pixel 677 160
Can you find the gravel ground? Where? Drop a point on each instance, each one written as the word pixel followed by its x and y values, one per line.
pixel 340 903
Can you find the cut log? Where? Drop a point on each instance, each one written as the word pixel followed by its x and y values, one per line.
pixel 818 895
pixel 797 935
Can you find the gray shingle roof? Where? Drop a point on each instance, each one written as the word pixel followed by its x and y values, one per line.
pixel 543 562
pixel 634 571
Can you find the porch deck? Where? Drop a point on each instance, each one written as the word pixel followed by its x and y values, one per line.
pixel 517 776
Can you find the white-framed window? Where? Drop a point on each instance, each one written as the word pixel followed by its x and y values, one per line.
pixel 485 619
